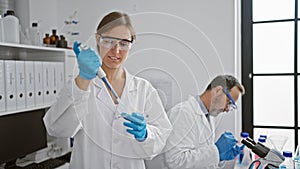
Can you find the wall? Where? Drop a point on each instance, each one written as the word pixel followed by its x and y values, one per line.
pixel 42 11
pixel 180 43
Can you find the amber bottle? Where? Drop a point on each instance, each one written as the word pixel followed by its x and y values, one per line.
pixel 46 39
pixel 53 37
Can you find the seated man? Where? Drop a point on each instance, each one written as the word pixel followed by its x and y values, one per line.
pixel 191 143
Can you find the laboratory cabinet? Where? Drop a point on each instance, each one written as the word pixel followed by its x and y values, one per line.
pixel 30 80
pixel 31 76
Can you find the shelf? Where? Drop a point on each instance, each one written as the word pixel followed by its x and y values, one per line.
pixel 12 51
pixel 30 47
pixel 23 110
pixel 21 52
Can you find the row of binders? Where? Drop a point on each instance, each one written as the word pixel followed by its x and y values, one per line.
pixel 27 84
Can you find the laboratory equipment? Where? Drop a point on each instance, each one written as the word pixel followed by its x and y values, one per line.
pixel 121 108
pixel 101 74
pixel 244 135
pixel 271 158
pixel 11 27
pixel 297 158
pixel 21 134
pixel 244 159
pixel 46 40
pixel 35 34
pixel 288 161
pixel 278 141
pixel 262 140
pixel 54 38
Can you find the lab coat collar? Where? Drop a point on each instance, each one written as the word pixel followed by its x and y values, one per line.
pixel 208 123
pixel 202 106
pixel 196 105
pixel 129 82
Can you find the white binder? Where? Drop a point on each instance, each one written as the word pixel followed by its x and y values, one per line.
pixel 10 84
pixel 2 87
pixel 20 84
pixel 60 75
pixel 46 83
pixel 53 81
pixel 38 84
pixel 29 79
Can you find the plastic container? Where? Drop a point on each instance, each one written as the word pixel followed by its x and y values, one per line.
pixel 245 158
pixel 35 35
pixel 297 158
pixel 262 140
pixel 11 28
pixel 288 162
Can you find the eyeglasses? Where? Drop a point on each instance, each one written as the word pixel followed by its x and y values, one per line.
pixel 231 105
pixel 110 42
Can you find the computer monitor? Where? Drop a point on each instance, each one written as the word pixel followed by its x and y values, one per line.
pixel 21 134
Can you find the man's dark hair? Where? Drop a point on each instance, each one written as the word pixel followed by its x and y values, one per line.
pixel 227 82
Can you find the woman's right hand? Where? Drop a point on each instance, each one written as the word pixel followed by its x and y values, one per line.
pixel 88 62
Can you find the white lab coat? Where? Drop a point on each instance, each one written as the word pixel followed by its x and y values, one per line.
pixel 191 142
pixel 103 142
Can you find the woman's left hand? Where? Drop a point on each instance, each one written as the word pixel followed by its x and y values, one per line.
pixel 137 125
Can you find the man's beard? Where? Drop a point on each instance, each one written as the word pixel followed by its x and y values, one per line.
pixel 215 112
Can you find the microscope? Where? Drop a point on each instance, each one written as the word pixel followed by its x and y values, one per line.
pixel 270 158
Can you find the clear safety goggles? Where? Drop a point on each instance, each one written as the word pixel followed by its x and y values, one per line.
pixel 110 42
pixel 231 105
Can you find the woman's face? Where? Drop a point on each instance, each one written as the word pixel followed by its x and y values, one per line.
pixel 113 47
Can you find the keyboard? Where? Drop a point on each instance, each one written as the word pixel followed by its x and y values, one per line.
pixel 48 164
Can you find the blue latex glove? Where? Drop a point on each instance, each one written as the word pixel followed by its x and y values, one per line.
pixel 88 62
pixel 224 144
pixel 137 125
pixel 232 153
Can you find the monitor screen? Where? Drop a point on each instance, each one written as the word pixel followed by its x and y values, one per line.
pixel 21 134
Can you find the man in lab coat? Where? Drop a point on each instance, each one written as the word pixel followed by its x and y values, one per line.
pixel 191 144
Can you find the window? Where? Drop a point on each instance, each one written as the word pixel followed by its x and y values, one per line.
pixel 270 69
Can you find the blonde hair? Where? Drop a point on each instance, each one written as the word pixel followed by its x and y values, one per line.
pixel 113 20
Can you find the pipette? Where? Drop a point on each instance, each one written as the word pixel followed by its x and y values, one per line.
pixel 121 106
pixel 101 74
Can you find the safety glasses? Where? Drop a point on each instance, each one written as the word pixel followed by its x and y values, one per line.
pixel 110 42
pixel 231 105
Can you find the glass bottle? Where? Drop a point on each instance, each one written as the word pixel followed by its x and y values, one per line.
pixel 53 38
pixel 288 161
pixel 46 40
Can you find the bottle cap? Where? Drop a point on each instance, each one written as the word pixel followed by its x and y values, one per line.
pixel 34 24
pixel 263 135
pixel 244 134
pixel 10 12
pixel 287 154
pixel 262 139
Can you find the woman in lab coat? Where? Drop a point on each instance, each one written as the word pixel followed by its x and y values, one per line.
pixel 103 139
